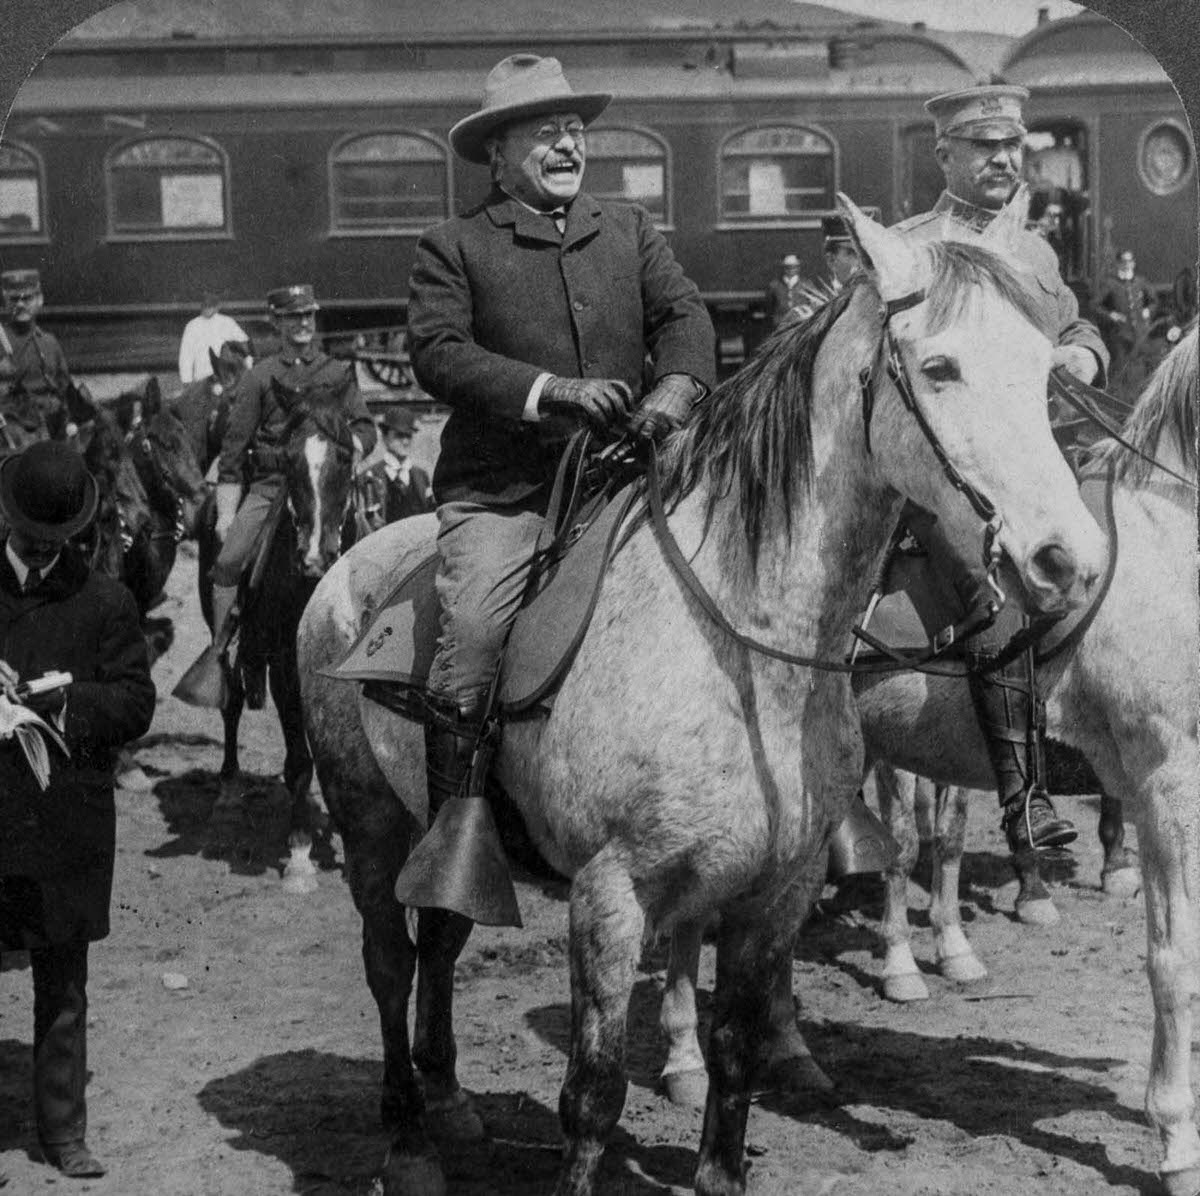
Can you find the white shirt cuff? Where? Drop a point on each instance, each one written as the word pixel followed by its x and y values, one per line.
pixel 531 412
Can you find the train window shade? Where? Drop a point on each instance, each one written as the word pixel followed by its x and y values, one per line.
pixel 22 195
pixel 1166 158
pixel 167 187
pixel 774 174
pixel 388 182
pixel 629 166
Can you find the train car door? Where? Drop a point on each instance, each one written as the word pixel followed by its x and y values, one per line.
pixel 920 181
pixel 1056 169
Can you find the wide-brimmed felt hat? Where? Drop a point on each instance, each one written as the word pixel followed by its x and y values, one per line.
pixel 517 87
pixel 293 300
pixel 46 491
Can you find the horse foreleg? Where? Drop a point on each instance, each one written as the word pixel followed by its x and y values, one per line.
pixel 956 957
pixel 684 1077
pixel 752 949
pixel 605 943
pixel 1034 905
pixel 1171 849
pixel 300 873
pixel 1120 876
pixel 902 980
pixel 231 717
pixel 449 1113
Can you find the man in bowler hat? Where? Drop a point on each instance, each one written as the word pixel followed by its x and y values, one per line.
pixel 604 330
pixel 395 488
pixel 980 145
pixel 57 845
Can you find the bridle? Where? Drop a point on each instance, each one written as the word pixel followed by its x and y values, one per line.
pixel 977 619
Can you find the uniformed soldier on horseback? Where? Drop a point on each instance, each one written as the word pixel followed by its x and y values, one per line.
pixel 38 391
pixel 980 138
pixel 251 475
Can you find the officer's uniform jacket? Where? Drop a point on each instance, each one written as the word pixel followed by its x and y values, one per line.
pixel 1128 297
pixel 1061 322
pixel 499 296
pixel 258 419
pixel 36 377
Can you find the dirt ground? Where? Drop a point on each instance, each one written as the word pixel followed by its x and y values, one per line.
pixel 262 1074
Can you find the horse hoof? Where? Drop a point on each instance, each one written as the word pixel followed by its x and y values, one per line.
pixel 908 986
pixel 963 969
pixel 1040 912
pixel 1182 1183
pixel 300 881
pixel 799 1075
pixel 1121 882
pixel 687 1089
pixel 453 1119
pixel 413 1175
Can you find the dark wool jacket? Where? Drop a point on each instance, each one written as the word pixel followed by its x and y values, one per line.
pixel 85 624
pixel 499 297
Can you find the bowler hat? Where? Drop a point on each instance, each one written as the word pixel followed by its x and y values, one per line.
pixel 988 113
pixel 293 300
pixel 46 491
pixel 20 282
pixel 398 420
pixel 519 86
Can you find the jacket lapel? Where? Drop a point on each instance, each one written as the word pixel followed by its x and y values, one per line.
pixel 583 220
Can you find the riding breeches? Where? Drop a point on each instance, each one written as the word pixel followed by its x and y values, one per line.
pixel 242 539
pixel 486 555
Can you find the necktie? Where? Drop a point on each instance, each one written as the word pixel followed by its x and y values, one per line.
pixel 31 581
pixel 559 216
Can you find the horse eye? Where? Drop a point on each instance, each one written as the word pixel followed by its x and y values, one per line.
pixel 941 369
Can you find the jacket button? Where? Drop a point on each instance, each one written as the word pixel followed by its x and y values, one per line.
pixel 579 305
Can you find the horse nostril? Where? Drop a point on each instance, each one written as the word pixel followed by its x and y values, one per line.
pixel 1056 565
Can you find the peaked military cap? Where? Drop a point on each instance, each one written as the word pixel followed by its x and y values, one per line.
pixel 989 113
pixel 293 300
pixel 20 282
pixel 834 229
pixel 789 259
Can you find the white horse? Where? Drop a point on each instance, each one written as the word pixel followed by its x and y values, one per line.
pixel 681 772
pixel 1127 697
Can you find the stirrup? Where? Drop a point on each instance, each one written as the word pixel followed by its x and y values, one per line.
pixel 1053 831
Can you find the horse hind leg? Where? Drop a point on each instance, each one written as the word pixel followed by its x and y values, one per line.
pixel 902 979
pixel 299 873
pixel 684 1077
pixel 957 960
pixel 1120 875
pixel 1034 906
pixel 606 923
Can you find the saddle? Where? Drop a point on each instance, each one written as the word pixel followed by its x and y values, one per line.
pixel 588 507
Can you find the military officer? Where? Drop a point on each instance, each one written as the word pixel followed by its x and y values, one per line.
pixel 980 138
pixel 39 393
pixel 250 473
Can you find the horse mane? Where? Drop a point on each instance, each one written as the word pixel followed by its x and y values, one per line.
pixel 1167 404
pixel 752 436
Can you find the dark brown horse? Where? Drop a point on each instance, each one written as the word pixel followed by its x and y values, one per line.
pixel 306 540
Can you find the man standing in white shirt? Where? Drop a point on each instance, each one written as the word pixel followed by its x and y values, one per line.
pixel 209 330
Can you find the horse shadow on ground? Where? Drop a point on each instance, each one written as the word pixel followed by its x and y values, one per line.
pixel 984 1086
pixel 318 1114
pixel 248 831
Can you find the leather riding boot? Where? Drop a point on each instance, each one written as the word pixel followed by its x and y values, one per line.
pixel 449 750
pixel 60 1049
pixel 1003 703
pixel 223 600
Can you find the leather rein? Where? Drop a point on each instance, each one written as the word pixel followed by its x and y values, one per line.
pixel 977 619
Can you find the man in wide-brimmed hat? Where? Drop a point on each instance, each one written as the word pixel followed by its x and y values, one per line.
pixel 540 310
pixel 57 845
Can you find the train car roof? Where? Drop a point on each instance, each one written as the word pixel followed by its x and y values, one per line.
pixel 1086 50
pixel 132 93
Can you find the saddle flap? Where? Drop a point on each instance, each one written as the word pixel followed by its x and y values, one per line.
pixel 399 642
pixel 551 626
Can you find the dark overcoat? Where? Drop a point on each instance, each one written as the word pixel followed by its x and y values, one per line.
pixel 499 296
pixel 64 838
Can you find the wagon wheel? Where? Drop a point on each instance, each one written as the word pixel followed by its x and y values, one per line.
pixel 388 359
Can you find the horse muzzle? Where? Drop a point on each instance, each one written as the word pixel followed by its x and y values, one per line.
pixel 1057 577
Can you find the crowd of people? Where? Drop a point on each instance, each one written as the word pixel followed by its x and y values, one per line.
pixel 605 330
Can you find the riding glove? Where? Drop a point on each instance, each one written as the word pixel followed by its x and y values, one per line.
pixel 229 495
pixel 1077 360
pixel 666 407
pixel 602 402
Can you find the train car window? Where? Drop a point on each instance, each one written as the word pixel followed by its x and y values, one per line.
pixel 1165 157
pixel 167 186
pixel 388 181
pixel 776 173
pixel 630 166
pixel 21 194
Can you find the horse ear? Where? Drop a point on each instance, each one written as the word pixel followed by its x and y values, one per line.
pixel 888 256
pixel 1004 230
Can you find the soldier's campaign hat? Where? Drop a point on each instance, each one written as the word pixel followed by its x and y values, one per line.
pixel 399 420
pixel 20 282
pixel 520 86
pixel 293 300
pixel 46 491
pixel 988 113
pixel 789 259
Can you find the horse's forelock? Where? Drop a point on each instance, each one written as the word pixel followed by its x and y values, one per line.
pixel 961 269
